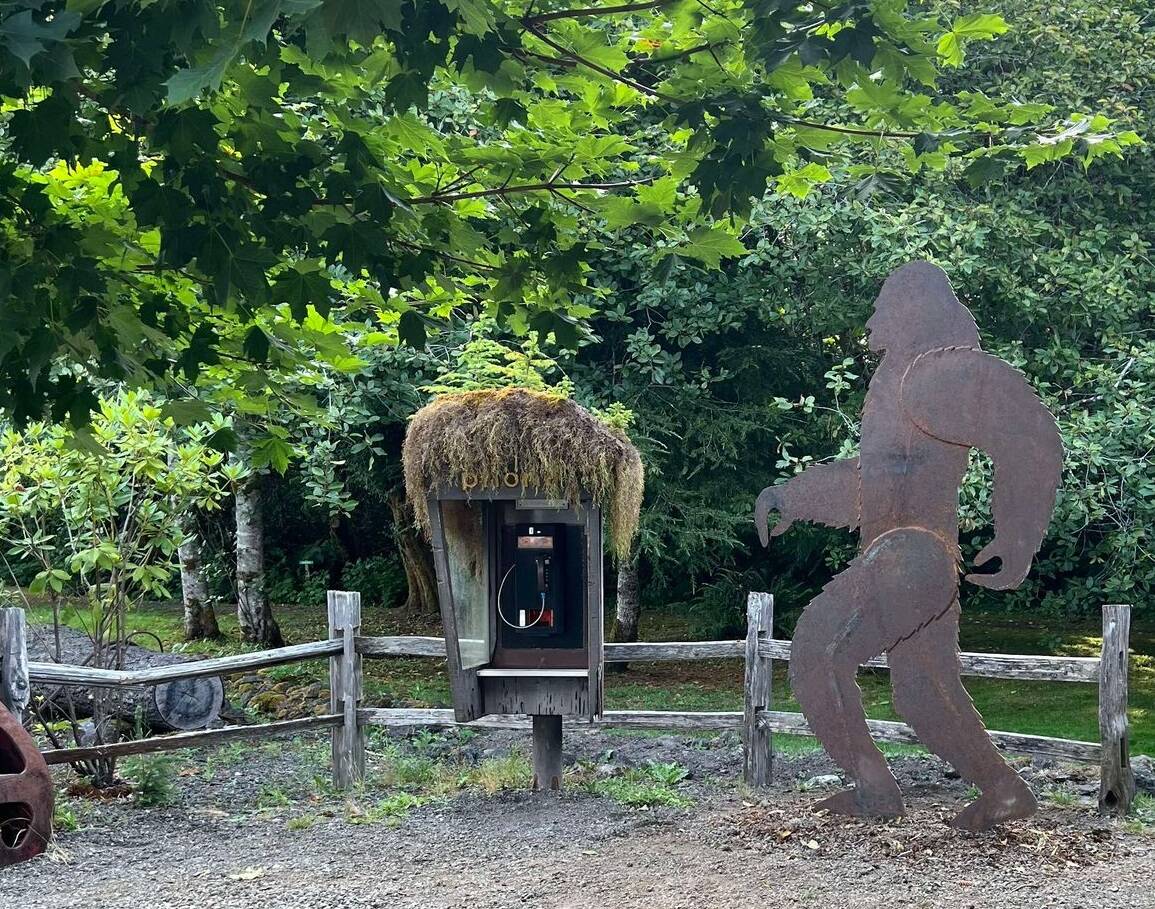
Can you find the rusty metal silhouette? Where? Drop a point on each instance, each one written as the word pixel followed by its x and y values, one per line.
pixel 934 396
pixel 26 796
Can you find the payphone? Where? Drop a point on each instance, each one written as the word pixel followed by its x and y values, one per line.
pixel 520 586
pixel 510 486
pixel 540 600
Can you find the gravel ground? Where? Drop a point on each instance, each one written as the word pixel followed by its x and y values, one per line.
pixel 254 829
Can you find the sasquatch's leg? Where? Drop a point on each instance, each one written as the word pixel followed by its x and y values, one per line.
pixel 904 580
pixel 929 695
pixel 836 633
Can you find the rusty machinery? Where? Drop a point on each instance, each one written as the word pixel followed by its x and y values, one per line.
pixel 934 396
pixel 26 795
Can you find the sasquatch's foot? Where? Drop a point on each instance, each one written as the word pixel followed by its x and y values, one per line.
pixel 1010 800
pixel 865 802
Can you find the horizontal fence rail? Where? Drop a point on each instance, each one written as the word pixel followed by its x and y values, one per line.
pixel 638 719
pixel 63 674
pixel 191 739
pixel 348 719
pixel 988 665
pixel 900 733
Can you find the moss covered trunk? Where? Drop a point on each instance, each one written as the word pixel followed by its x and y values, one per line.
pixel 416 559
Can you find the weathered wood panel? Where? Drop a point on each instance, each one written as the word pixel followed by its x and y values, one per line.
pixel 663 719
pixel 59 674
pixel 345 690
pixel 758 756
pixel 547 760
pixel 464 682
pixel 15 686
pixel 413 646
pixel 191 739
pixel 1117 781
pixel 674 650
pixel 639 719
pixel 537 695
pixel 887 731
pixel 987 665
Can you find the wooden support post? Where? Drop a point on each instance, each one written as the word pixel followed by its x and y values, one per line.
pixel 15 688
pixel 345 679
pixel 547 769
pixel 1117 782
pixel 758 747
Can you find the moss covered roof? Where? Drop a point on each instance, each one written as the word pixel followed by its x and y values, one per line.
pixel 544 442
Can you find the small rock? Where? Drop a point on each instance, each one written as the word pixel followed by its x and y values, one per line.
pixel 823 781
pixel 1143 766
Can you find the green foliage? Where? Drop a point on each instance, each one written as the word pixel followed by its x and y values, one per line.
pixel 64 817
pixel 98 514
pixel 392 810
pixel 230 193
pixel 380 580
pixel 749 374
pixel 153 779
pixel 651 786
pixel 486 363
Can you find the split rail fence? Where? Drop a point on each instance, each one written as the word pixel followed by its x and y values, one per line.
pixel 348 720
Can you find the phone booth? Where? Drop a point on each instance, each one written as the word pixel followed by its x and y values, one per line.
pixel 518 557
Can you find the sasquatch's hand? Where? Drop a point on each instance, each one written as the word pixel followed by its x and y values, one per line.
pixel 1012 572
pixel 772 498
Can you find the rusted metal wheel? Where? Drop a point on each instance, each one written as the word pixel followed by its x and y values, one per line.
pixel 26 795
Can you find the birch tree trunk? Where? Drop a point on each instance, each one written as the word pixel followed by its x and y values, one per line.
pixel 254 615
pixel 628 608
pixel 200 619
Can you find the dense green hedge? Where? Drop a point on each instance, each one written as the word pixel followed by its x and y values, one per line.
pixel 741 376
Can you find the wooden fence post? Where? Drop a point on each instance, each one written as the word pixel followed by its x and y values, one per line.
pixel 15 688
pixel 1117 782
pixel 758 748
pixel 348 739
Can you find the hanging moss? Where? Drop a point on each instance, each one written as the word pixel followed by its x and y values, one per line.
pixel 497 438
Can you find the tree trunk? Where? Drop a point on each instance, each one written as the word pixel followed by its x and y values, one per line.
pixel 180 705
pixel 416 560
pixel 200 619
pixel 628 607
pixel 253 612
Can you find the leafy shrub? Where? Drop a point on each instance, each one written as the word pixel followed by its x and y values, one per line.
pixel 646 787
pixel 153 779
pixel 380 580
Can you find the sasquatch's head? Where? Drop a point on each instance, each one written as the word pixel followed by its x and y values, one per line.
pixel 917 311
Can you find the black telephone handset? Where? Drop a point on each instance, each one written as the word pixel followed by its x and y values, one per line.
pixel 541 587
pixel 537 584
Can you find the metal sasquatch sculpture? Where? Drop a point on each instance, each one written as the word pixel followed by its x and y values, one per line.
pixel 935 396
pixel 26 796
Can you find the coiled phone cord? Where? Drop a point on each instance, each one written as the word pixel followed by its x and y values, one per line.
pixel 501 615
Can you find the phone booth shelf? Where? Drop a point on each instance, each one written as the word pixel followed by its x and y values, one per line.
pixel 511 487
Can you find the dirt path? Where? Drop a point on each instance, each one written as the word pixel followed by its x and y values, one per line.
pixel 219 849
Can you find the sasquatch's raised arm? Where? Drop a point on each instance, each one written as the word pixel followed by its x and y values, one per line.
pixel 967 397
pixel 825 493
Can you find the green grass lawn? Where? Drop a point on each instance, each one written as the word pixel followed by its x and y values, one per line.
pixel 1064 709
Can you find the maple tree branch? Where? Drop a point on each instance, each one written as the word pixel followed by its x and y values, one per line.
pixel 593 11
pixel 848 130
pixel 526 188
pixel 681 55
pixel 417 247
pixel 654 93
pixel 598 68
